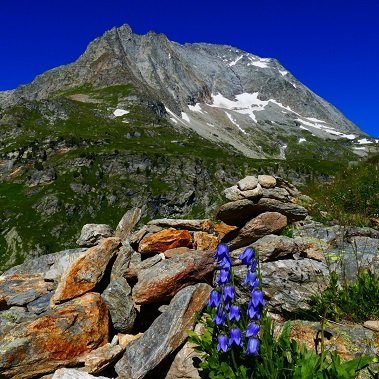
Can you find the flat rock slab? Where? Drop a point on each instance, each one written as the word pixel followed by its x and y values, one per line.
pixel 86 271
pixel 164 280
pixel 204 225
pixel 293 211
pixel 165 334
pixel 92 234
pixel 57 338
pixel 264 224
pixel 165 240
pixel 238 212
pixel 247 183
pixel 21 289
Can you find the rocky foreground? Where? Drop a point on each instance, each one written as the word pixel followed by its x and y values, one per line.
pixel 121 304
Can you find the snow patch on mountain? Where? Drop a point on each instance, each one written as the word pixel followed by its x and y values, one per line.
pixel 120 112
pixel 234 122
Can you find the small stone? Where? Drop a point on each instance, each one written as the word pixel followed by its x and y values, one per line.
pixel 233 193
pixel 254 193
pixel 98 360
pixel 267 181
pixel 248 183
pixel 165 240
pixel 125 339
pixel 92 234
pixel 372 325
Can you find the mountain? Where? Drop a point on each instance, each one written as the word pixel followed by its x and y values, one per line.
pixel 143 121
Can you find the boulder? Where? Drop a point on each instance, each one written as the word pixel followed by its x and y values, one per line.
pixel 247 183
pixel 21 289
pixel 98 360
pixel 92 234
pixel 177 251
pixel 117 297
pixel 136 267
pixel 204 225
pixel 237 212
pixel 71 373
pixel 42 264
pixel 264 224
pixel 165 334
pixel 223 230
pixel 273 247
pixel 267 181
pixel 287 283
pixel 122 261
pixel 129 220
pixel 293 211
pixel 372 325
pixel 86 271
pixel 145 231
pixel 203 241
pixel 165 240
pixel 57 338
pixel 164 280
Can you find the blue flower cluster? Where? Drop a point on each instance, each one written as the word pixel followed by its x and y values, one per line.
pixel 235 326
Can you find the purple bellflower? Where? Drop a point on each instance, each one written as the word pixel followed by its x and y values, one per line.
pixel 235 337
pixel 219 319
pixel 214 299
pixel 252 330
pixel 222 343
pixel 234 313
pixel 228 293
pixel 223 277
pixel 257 298
pixel 222 251
pixel 253 312
pixel 251 280
pixel 247 256
pixel 252 346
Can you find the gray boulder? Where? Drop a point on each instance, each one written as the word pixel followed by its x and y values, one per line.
pixel 165 335
pixel 117 297
pixel 92 234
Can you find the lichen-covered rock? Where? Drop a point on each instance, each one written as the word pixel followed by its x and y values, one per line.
pixel 57 338
pixel 128 221
pixel 162 281
pixel 165 334
pixel 203 241
pixel 86 271
pixel 165 240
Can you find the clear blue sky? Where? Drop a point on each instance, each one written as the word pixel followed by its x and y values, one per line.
pixel 332 46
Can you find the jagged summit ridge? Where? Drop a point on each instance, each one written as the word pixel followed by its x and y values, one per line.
pixel 223 93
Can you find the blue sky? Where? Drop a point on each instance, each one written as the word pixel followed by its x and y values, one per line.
pixel 331 46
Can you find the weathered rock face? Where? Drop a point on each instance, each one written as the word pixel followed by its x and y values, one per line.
pixel 127 223
pixel 293 211
pixel 164 280
pixel 265 223
pixel 164 240
pixel 177 251
pixel 136 267
pixel 117 297
pixel 287 283
pixel 86 271
pixel 165 335
pixel 57 338
pixel 91 234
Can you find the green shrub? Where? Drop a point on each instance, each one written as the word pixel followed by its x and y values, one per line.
pixel 357 301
